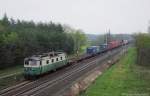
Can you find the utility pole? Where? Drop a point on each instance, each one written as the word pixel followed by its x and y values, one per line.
pixel 105 40
pixel 108 37
pixel 149 27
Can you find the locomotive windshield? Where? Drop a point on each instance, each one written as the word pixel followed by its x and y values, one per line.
pixel 31 62
pixel 26 62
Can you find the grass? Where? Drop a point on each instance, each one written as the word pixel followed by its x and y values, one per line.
pixel 125 78
pixel 14 76
pixel 11 70
pixel 10 81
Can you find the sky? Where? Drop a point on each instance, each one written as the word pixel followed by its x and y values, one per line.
pixel 92 16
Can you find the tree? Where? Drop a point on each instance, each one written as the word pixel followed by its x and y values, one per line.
pixel 20 39
pixel 5 20
pixel 79 38
pixel 143 48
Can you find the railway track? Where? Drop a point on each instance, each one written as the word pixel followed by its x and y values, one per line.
pixel 64 78
pixel 54 82
pixel 59 85
pixel 28 85
pixel 13 87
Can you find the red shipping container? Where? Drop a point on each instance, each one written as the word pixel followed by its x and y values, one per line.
pixel 113 44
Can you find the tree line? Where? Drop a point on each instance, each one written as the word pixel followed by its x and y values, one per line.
pixel 143 48
pixel 20 39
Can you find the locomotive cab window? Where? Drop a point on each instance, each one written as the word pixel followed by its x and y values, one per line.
pixel 56 59
pixel 61 58
pixel 26 62
pixel 47 62
pixel 52 60
pixel 40 62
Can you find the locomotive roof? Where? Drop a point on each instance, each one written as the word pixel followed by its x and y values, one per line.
pixel 49 54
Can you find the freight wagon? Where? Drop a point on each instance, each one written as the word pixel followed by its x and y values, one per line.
pixel 103 47
pixel 114 44
pixel 93 49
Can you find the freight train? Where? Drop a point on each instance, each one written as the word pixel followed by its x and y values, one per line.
pixel 105 47
pixel 37 65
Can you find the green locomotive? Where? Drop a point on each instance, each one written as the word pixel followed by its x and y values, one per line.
pixel 39 64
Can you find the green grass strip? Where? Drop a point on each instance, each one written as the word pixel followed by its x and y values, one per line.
pixel 123 79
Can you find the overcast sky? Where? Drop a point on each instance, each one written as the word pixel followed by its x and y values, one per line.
pixel 92 16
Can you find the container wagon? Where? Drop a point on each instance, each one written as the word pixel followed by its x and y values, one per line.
pixel 93 50
pixel 113 44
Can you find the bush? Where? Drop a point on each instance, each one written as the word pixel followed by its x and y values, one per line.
pixel 143 49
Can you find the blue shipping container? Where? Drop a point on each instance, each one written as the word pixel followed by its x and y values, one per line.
pixel 92 50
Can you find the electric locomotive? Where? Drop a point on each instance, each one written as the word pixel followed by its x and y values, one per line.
pixel 39 64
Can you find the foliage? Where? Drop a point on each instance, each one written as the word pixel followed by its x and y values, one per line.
pixel 143 48
pixel 20 39
pixel 79 38
pixel 99 40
